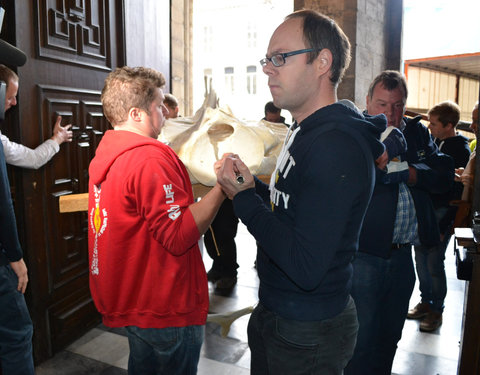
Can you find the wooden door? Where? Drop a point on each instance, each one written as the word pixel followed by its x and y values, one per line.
pixel 71 45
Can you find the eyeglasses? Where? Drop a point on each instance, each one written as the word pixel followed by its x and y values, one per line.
pixel 279 58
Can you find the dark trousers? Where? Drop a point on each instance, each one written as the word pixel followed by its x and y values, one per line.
pixel 171 350
pixel 16 328
pixel 381 289
pixel 224 231
pixel 282 346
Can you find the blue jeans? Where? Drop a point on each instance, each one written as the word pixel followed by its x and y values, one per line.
pixel 430 265
pixel 381 289
pixel 16 327
pixel 291 347
pixel 172 350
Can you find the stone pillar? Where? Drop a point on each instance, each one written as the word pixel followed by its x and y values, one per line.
pixel 375 43
pixel 181 54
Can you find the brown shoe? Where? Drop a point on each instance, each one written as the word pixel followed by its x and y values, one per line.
pixel 419 311
pixel 431 322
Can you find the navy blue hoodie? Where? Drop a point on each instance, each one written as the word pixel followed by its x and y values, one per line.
pixel 310 232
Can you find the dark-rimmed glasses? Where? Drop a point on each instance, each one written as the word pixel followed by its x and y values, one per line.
pixel 279 58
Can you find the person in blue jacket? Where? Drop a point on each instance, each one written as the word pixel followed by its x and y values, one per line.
pixel 399 215
pixel 429 261
pixel 16 327
pixel 306 321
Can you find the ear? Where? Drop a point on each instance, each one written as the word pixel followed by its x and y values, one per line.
pixel 135 114
pixel 324 61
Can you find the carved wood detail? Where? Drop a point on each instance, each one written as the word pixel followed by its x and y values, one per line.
pixel 67 174
pixel 74 31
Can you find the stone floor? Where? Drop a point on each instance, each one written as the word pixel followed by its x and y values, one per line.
pixel 105 351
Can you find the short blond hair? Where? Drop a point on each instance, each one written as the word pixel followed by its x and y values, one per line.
pixel 448 112
pixel 127 88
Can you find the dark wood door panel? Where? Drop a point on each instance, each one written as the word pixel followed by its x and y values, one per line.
pixel 82 108
pixel 66 315
pixel 71 46
pixel 75 32
pixel 70 308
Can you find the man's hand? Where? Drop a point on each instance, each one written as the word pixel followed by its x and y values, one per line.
pixel 227 176
pixel 412 176
pixel 62 133
pixel 382 160
pixel 219 163
pixel 394 142
pixel 20 270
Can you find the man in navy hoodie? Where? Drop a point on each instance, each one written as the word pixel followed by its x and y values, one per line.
pixel 400 214
pixel 429 261
pixel 306 321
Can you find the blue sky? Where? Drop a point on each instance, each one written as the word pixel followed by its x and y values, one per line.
pixel 440 27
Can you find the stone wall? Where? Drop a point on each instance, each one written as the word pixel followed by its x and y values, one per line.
pixel 367 25
pixel 181 54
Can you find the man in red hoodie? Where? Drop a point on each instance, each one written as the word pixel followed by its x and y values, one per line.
pixel 146 270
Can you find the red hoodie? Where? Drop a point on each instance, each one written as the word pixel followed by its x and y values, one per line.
pixel 146 268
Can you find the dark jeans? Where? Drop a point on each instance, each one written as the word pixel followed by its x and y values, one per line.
pixel 169 351
pixel 381 289
pixel 16 327
pixel 224 229
pixel 291 347
pixel 430 265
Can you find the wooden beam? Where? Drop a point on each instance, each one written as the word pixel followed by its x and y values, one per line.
pixel 73 203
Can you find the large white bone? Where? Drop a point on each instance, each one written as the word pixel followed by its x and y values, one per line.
pixel 225 320
pixel 203 139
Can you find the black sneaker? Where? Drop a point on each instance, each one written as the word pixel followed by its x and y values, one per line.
pixel 213 275
pixel 226 283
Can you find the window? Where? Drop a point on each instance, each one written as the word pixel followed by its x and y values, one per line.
pixel 208 39
pixel 251 35
pixel 229 87
pixel 251 79
pixel 207 73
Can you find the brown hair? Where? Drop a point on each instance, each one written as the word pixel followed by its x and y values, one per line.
pixel 319 32
pixel 448 112
pixel 127 88
pixel 390 79
pixel 7 74
pixel 170 101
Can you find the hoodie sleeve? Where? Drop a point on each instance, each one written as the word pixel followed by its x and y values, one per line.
pixel 435 170
pixel 262 190
pixel 376 126
pixel 332 185
pixel 163 199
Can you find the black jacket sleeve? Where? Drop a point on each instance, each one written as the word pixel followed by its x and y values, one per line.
pixel 435 170
pixel 10 245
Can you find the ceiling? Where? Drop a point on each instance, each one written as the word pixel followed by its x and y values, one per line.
pixel 466 65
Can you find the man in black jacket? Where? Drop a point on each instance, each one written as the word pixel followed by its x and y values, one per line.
pixel 400 214
pixel 16 328
pixel 429 261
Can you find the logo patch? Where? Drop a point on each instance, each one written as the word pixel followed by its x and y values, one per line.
pixel 98 223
